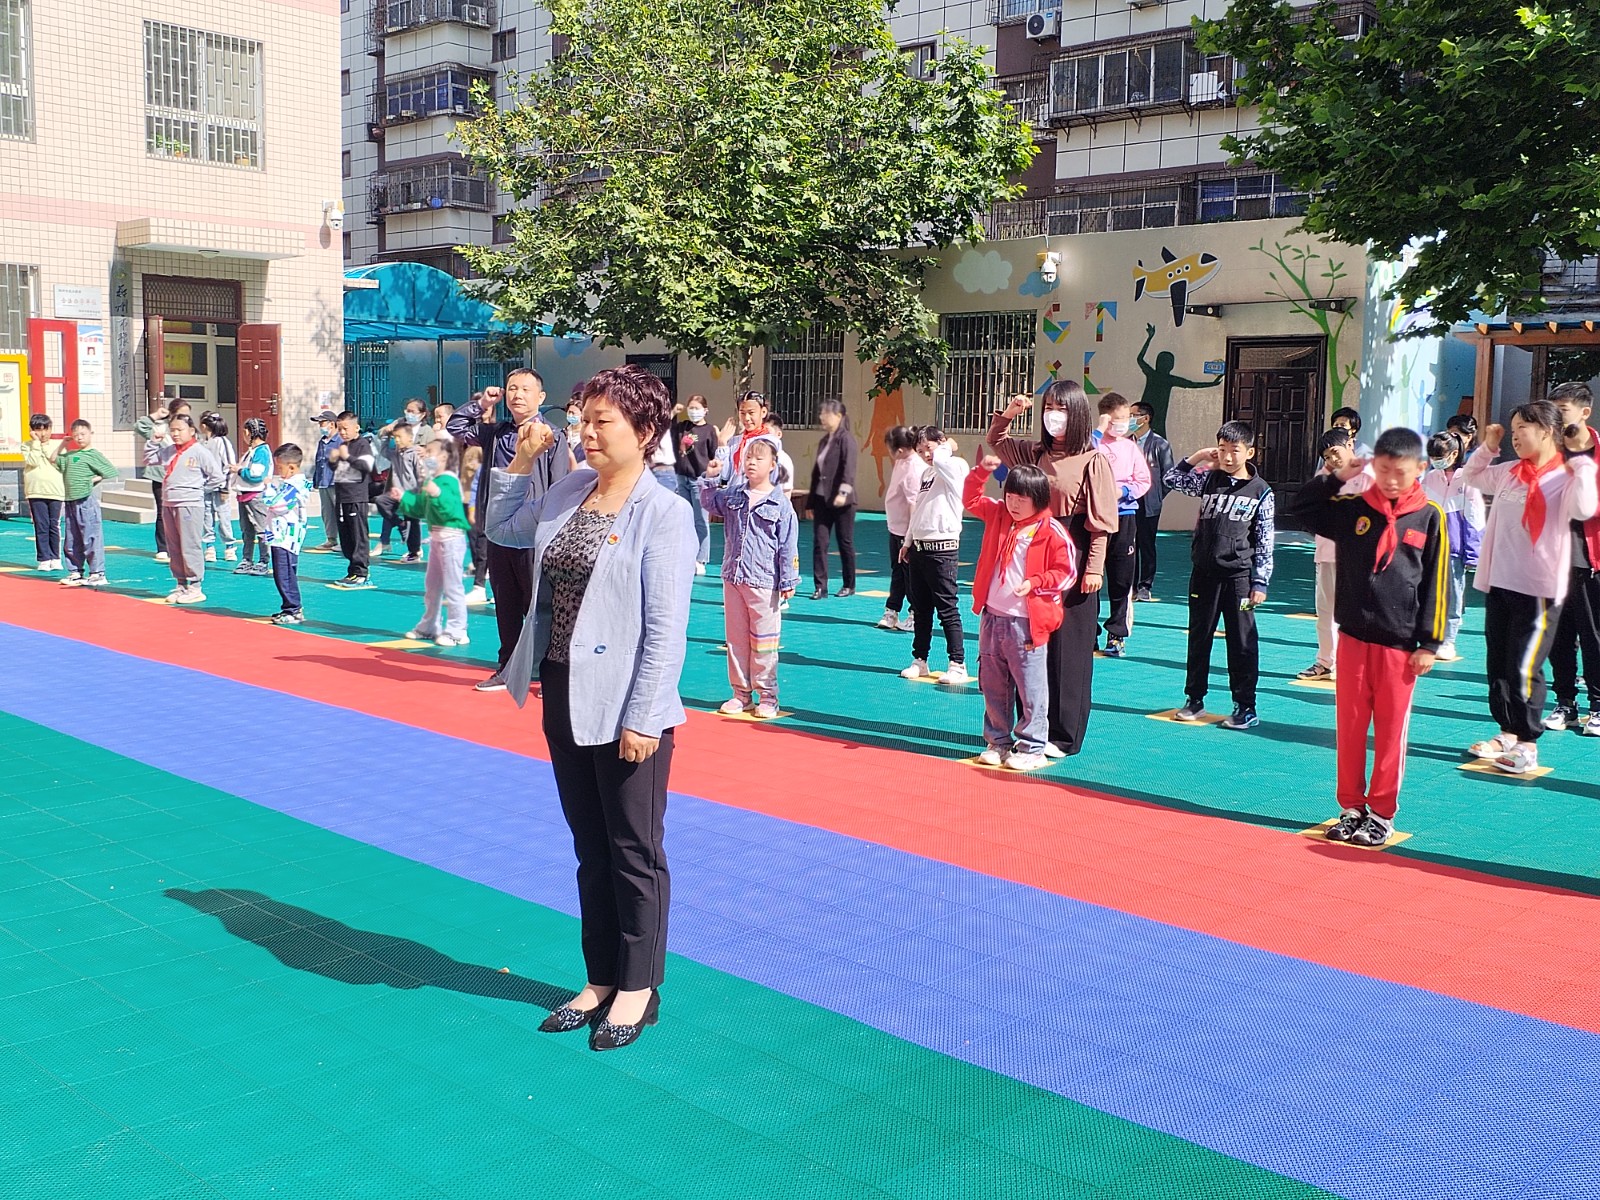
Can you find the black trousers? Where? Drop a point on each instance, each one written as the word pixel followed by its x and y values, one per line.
pixel 161 531
pixel 479 543
pixel 511 575
pixel 826 518
pixel 897 575
pixel 1121 563
pixel 1070 661
pixel 353 536
pixel 389 510
pixel 47 528
pixel 1578 629
pixel 617 813
pixel 1144 575
pixel 1212 595
pixel 1518 632
pixel 931 582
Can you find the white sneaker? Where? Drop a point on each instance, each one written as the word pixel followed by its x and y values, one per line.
pixel 991 757
pixel 957 673
pixel 211 556
pixel 889 620
pixel 416 635
pixel 448 640
pixel 162 556
pixel 1493 748
pixel 1591 727
pixel 229 555
pixel 477 596
pixel 172 596
pixel 766 711
pixel 1051 750
pixel 96 580
pixel 1447 653
pixel 732 708
pixel 191 595
pixel 1018 761
pixel 1521 759
pixel 44 565
pixel 917 670
pixel 699 568
pixel 73 580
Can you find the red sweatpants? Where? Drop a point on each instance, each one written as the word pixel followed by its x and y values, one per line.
pixel 1374 686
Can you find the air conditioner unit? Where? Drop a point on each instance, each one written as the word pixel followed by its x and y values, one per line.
pixel 1205 86
pixel 1044 27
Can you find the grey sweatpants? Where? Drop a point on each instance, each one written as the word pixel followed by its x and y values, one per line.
pixel 441 585
pixel 184 525
pixel 330 516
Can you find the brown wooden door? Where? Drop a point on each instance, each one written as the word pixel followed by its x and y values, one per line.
pixel 155 359
pixel 260 349
pixel 1275 386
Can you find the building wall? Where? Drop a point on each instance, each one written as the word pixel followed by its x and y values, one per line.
pixel 64 193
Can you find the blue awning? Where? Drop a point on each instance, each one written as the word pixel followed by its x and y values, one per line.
pixel 413 302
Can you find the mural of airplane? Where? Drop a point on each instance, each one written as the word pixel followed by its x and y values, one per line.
pixel 1175 277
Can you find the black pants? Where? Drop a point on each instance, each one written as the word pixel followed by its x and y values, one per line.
pixel 1211 595
pixel 353 536
pixel 617 813
pixel 511 574
pixel 47 528
pixel 286 574
pixel 1070 661
pixel 1144 575
pixel 1518 632
pixel 897 575
pixel 389 512
pixel 826 518
pixel 479 543
pixel 161 531
pixel 1121 563
pixel 931 582
pixel 1578 628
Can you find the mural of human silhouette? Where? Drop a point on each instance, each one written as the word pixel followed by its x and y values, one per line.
pixel 888 410
pixel 1159 382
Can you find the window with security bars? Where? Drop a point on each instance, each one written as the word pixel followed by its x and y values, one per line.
pixel 440 90
pixel 179 299
pixel 1157 207
pixel 802 372
pixel 16 83
pixel 1249 198
pixel 202 96
pixel 1164 72
pixel 19 300
pixel 991 359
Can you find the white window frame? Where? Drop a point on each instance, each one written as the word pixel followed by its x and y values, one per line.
pixel 19 304
pixel 191 79
pixel 16 70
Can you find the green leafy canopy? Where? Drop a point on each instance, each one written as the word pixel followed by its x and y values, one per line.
pixel 1465 133
pixel 721 175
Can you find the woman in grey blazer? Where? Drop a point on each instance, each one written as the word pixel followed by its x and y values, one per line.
pixel 613 569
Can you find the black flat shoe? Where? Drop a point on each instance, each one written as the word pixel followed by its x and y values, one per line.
pixel 820 594
pixel 843 592
pixel 607 1036
pixel 566 1018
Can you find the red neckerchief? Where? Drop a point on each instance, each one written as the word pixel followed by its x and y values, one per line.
pixel 177 453
pixel 1391 511
pixel 1533 512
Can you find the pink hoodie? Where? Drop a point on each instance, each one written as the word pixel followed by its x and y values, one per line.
pixel 1130 470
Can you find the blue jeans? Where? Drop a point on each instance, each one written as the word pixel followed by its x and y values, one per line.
pixel 286 574
pixel 1458 598
pixel 689 489
pixel 1014 679
pixel 86 549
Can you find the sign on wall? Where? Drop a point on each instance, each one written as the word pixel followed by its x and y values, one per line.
pixel 127 385
pixel 74 303
pixel 91 358
pixel 13 402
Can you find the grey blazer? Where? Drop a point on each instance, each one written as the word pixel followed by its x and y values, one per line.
pixel 631 634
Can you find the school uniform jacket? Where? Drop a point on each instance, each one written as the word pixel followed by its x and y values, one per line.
pixel 1051 562
pixel 1404 605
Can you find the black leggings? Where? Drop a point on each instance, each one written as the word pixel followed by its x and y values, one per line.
pixel 897 575
pixel 826 517
pixel 931 576
pixel 1578 629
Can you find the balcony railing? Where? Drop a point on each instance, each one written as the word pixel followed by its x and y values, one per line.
pixel 448 183
pixel 1165 74
pixel 1014 12
pixel 1014 219
pixel 443 90
pixel 1029 98
pixel 412 14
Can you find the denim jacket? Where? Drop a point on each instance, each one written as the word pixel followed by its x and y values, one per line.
pixel 630 638
pixel 760 541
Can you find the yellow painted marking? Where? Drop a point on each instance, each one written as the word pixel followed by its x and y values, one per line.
pixel 1322 685
pixel 1301 616
pixel 400 644
pixel 935 679
pixel 14 570
pixel 1488 770
pixel 1168 715
pixel 1002 769
pixel 1320 833
pixel 752 718
pixel 875 595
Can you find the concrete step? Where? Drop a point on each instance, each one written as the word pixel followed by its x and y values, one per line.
pixel 128 506
pixel 141 487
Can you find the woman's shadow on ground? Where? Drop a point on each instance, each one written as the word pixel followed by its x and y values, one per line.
pixel 306 941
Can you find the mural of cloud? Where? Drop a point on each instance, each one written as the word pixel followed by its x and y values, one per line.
pixel 1034 285
pixel 983 271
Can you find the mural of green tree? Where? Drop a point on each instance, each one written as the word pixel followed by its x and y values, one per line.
pixel 1303 275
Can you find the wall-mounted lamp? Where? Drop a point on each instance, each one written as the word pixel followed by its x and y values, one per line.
pixel 333 214
pixel 1049 266
pixel 1336 304
pixel 1203 310
pixel 209 253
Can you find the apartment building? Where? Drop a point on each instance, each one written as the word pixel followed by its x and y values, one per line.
pixel 1138 260
pixel 169 210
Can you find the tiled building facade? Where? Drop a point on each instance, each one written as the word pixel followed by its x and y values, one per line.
pixel 169 196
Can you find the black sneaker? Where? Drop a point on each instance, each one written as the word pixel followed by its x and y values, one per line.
pixel 1114 648
pixel 1241 718
pixel 1373 831
pixel 495 683
pixel 1350 820
pixel 1562 716
pixel 1142 596
pixel 1193 710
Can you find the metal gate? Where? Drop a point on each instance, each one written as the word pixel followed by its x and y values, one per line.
pixel 366 381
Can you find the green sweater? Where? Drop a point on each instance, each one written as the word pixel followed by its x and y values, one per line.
pixel 82 468
pixel 443 511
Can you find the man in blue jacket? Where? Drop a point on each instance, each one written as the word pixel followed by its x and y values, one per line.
pixel 322 480
pixel 1158 453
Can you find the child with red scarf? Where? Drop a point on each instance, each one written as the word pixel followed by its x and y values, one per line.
pixel 1525 566
pixel 1579 626
pixel 1391 585
pixel 1027 560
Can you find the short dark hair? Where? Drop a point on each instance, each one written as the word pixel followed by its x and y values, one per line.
pixel 1539 412
pixel 1030 483
pixel 1579 393
pixel 1078 436
pixel 39 421
pixel 184 417
pixel 177 402
pixel 1111 401
pixel 759 397
pixel 419 403
pixel 348 414
pixel 1241 432
pixel 1444 445
pixel 289 455
pixel 929 433
pixel 1465 422
pixel 639 396
pixel 1145 407
pixel 515 371
pixel 1333 437
pixel 1399 442
pixel 772 421
pixel 80 423
pixel 1349 414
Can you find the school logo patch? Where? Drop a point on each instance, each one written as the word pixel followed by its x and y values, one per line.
pixel 1362 525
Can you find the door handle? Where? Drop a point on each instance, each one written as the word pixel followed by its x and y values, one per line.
pixel 272 404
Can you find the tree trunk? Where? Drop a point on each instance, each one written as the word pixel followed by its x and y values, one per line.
pixel 746 360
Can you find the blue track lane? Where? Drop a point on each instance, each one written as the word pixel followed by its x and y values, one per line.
pixel 1220 1044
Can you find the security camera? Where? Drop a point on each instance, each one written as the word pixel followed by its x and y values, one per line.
pixel 333 214
pixel 1049 265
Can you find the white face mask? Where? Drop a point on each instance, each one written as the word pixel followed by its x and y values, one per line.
pixel 1118 429
pixel 697 415
pixel 1441 464
pixel 1055 423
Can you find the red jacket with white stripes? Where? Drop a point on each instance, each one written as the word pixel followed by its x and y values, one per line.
pixel 1051 565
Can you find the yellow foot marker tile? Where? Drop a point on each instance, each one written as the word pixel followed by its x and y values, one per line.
pixel 1488 770
pixel 400 644
pixel 875 595
pixel 1322 685
pixel 1170 715
pixel 752 718
pixel 936 679
pixel 1320 833
pixel 14 570
pixel 999 769
pixel 1301 616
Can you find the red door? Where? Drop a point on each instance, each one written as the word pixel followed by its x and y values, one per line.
pixel 53 368
pixel 260 375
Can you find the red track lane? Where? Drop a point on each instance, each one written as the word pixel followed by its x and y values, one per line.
pixel 1495 941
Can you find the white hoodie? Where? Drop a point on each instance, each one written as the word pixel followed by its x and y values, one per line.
pixel 936 511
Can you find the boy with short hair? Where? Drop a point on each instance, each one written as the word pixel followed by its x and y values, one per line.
pixel 1578 626
pixel 82 469
pixel 1349 420
pixel 1393 581
pixel 44 489
pixel 1338 452
pixel 188 472
pixel 286 501
pixel 353 461
pixel 1158 456
pixel 404 476
pixel 1232 553
pixel 1131 474
pixel 774 428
